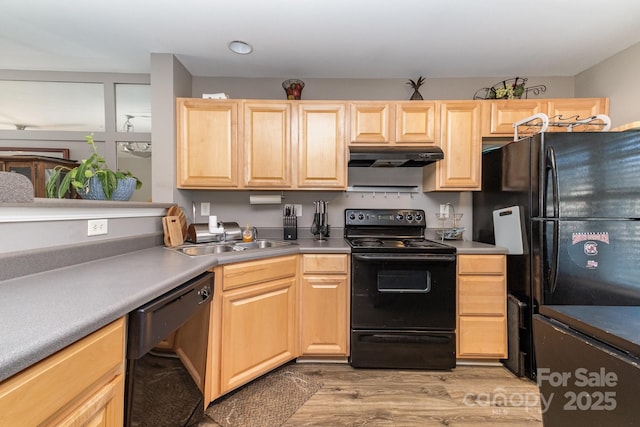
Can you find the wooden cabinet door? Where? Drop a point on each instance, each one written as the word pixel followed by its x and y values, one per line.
pixel 481 307
pixel 207 143
pixel 571 109
pixel 267 144
pixel 500 115
pixel 322 161
pixel 259 330
pixel 370 123
pixel 482 337
pixel 415 123
pixel 79 383
pixel 324 315
pixel 461 142
pixel 105 408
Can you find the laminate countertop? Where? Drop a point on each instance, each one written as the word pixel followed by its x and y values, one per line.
pixel 44 312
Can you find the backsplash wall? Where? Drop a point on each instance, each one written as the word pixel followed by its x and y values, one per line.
pixel 234 205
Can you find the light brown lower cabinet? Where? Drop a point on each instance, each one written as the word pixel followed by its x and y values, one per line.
pixel 482 307
pixel 254 323
pixel 324 305
pixel 83 384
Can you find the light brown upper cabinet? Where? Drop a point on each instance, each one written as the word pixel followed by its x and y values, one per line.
pixel 576 109
pixel 499 115
pixel 392 124
pixel 207 143
pixel 321 144
pixel 461 142
pixel 415 123
pixel 267 144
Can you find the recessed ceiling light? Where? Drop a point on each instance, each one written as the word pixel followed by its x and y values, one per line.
pixel 240 47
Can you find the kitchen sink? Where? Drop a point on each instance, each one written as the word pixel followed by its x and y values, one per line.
pixel 222 247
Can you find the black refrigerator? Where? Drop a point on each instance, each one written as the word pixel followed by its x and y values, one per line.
pixel 579 199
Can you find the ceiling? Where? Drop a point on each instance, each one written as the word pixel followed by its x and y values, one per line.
pixel 320 39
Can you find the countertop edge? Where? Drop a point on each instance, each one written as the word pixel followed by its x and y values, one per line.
pixel 69 303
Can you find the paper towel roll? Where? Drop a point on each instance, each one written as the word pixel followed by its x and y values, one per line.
pixel 265 200
pixel 213 223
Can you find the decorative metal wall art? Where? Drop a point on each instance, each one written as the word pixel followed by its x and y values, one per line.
pixel 509 89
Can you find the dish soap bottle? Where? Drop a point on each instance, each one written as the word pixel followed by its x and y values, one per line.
pixel 247 234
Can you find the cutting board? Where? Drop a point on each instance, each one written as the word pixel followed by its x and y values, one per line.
pixel 172 231
pixel 176 210
pixel 507 228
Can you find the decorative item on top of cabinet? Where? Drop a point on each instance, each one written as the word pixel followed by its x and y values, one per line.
pixel 512 88
pixel 324 305
pixel 392 124
pixel 461 142
pixel 207 143
pixel 293 88
pixel 482 307
pixel 415 85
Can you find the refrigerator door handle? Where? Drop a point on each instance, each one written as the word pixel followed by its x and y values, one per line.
pixel 552 169
pixel 552 278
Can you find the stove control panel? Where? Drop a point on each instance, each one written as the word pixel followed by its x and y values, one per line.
pixel 385 217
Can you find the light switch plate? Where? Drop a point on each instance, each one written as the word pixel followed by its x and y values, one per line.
pixel 298 209
pixel 205 209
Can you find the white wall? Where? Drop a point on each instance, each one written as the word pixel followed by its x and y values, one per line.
pixel 619 79
pixel 369 89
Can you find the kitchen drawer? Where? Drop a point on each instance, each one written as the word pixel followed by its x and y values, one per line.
pixel 54 385
pixel 482 295
pixel 252 272
pixel 482 336
pixel 481 264
pixel 325 264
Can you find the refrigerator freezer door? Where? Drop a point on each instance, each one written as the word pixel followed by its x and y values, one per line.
pixel 583 382
pixel 597 174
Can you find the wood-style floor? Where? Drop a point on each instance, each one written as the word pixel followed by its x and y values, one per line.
pixel 466 396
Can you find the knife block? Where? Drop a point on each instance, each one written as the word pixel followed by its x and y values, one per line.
pixel 290 224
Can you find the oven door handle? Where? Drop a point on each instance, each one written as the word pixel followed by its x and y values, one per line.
pixel 405 257
pixel 424 338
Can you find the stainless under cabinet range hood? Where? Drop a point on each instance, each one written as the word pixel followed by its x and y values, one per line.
pixel 395 159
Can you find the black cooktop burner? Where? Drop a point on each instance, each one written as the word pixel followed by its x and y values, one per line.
pixel 377 243
pixel 397 245
pixel 421 243
pixel 390 230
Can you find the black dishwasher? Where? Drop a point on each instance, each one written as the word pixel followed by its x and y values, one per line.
pixel 159 389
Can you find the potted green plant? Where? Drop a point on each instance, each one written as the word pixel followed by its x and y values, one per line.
pixel 92 179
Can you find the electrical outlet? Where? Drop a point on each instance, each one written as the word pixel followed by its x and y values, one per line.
pixel 205 209
pixel 298 210
pixel 97 227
